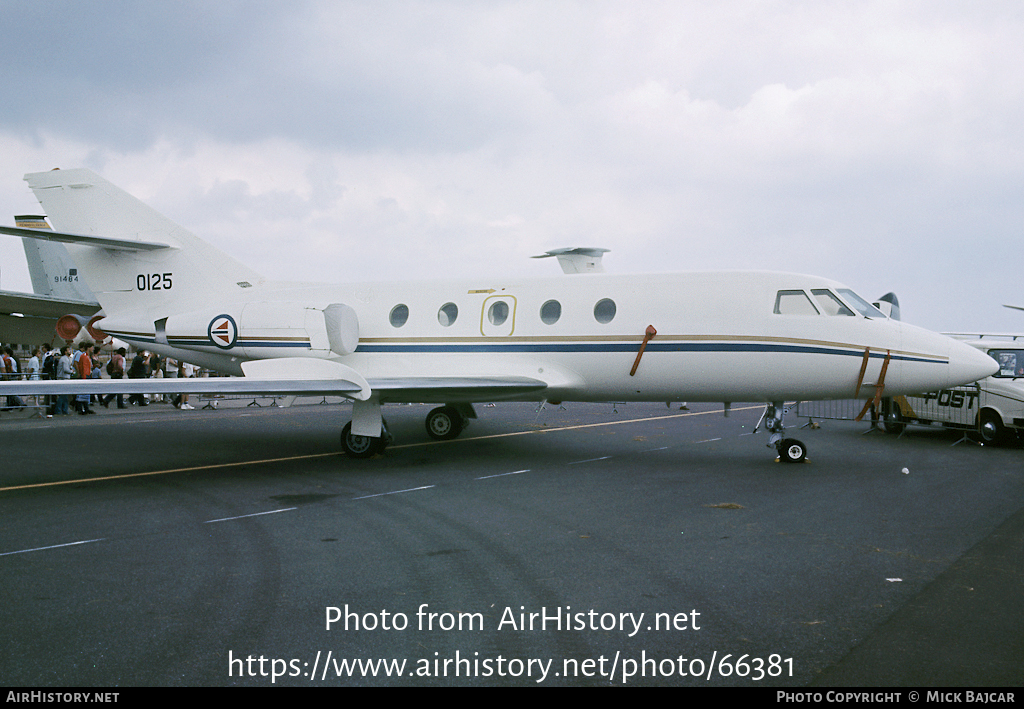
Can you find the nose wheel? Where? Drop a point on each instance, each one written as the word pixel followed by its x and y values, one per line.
pixel 790 450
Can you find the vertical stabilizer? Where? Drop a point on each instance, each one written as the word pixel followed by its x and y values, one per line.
pixel 187 273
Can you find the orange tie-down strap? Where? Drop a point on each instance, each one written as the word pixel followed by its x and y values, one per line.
pixel 879 387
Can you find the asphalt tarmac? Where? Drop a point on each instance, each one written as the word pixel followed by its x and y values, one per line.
pixel 590 545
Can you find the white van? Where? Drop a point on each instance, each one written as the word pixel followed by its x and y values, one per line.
pixel 994 407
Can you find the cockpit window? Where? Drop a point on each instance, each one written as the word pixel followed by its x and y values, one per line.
pixel 1011 362
pixel 794 302
pixel 829 303
pixel 863 307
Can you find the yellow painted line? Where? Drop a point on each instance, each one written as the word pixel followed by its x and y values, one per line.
pixel 167 472
pixel 217 466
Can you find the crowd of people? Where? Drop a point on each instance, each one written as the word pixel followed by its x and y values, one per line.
pixel 87 362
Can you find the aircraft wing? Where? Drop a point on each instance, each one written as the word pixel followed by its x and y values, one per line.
pixel 41 306
pixel 31 318
pixel 170 385
pixel 428 390
pixel 398 389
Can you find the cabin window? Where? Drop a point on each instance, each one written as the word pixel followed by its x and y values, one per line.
pixel 498 312
pixel 1011 362
pixel 550 312
pixel 828 303
pixel 794 302
pixel 604 311
pixel 399 315
pixel 447 314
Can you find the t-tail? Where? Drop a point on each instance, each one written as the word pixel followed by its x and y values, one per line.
pixel 133 258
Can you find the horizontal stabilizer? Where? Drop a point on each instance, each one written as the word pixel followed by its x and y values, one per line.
pixel 84 239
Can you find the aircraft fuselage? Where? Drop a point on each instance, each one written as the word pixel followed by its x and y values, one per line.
pixel 718 336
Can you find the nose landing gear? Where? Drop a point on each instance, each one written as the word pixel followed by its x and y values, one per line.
pixel 790 450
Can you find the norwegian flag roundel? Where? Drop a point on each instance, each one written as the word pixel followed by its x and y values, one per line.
pixel 223 332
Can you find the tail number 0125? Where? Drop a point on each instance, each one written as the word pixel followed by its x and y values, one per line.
pixel 153 281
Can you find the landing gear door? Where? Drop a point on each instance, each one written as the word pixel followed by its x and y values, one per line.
pixel 498 316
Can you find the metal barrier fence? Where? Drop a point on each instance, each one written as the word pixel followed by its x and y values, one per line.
pixel 19 403
pixel 955 408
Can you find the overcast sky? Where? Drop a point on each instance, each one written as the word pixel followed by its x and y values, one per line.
pixel 877 143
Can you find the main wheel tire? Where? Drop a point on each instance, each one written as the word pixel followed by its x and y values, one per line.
pixel 792 451
pixel 444 423
pixel 990 428
pixel 892 417
pixel 359 446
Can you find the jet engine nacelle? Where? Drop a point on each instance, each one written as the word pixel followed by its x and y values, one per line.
pixel 265 329
pixel 69 326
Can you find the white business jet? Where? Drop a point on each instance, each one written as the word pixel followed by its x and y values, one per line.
pixel 718 336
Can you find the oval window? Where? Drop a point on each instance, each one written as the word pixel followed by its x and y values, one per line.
pixel 498 312
pixel 604 311
pixel 399 315
pixel 550 312
pixel 447 314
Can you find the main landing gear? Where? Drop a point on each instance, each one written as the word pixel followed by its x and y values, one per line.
pixel 446 422
pixel 790 450
pixel 364 446
pixel 443 424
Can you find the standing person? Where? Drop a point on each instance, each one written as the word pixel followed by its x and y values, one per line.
pixel 34 368
pixel 50 357
pixel 83 365
pixel 63 371
pixel 156 371
pixel 116 369
pixel 97 371
pixel 10 369
pixel 185 371
pixel 139 370
pixel 34 365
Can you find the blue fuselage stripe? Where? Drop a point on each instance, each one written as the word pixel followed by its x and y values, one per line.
pixel 558 348
pixel 722 347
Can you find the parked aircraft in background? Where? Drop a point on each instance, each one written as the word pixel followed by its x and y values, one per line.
pixel 720 336
pixel 60 305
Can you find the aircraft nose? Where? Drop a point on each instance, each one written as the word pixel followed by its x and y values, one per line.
pixel 968 364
